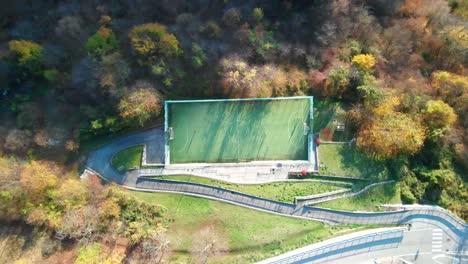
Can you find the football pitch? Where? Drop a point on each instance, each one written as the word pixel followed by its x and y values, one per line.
pixel 238 130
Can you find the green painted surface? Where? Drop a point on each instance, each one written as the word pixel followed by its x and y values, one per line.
pixel 238 131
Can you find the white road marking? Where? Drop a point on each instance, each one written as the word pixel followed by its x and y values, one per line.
pixel 455 261
pixel 437 240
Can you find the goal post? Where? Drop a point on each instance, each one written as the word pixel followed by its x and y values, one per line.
pixel 306 128
pixel 170 133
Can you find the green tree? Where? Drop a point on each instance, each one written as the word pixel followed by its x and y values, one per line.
pixel 370 91
pixel 199 56
pixel 101 43
pixel 51 75
pixel 152 41
pixel 337 81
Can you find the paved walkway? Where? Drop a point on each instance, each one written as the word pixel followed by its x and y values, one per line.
pixel 249 173
pixel 153 139
pixel 99 162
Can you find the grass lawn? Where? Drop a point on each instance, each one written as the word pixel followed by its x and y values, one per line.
pixel 251 235
pixel 370 200
pixel 280 191
pixel 342 160
pixel 128 158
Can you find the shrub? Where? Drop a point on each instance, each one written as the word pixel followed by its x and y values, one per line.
pixel 51 75
pixel 199 56
pixel 257 14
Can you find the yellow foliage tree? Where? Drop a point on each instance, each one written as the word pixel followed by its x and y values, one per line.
pixel 109 209
pixel 438 114
pixel 72 194
pixel 441 80
pixel 388 133
pixel 452 88
pixel 364 61
pixel 391 136
pixel 38 177
pixel 152 40
pixel 29 54
pixel 387 107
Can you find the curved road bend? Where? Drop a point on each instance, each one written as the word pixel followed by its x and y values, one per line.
pixel 99 161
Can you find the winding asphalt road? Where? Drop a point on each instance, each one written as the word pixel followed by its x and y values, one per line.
pixel 99 162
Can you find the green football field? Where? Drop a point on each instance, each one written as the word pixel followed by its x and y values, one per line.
pixel 238 131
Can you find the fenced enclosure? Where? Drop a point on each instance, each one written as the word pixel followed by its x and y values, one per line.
pixel 238 130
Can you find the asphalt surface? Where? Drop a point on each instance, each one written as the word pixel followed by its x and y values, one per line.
pixel 423 243
pixel 454 229
pixel 100 159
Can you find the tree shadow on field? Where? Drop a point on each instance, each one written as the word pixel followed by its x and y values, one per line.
pixel 361 165
pixel 324 110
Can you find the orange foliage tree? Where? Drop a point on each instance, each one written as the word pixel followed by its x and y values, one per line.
pixel 140 105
